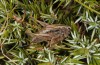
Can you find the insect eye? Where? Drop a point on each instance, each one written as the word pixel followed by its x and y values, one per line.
pixel 68 27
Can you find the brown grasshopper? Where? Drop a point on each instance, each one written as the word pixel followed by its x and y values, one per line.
pixel 53 33
pixel 50 33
